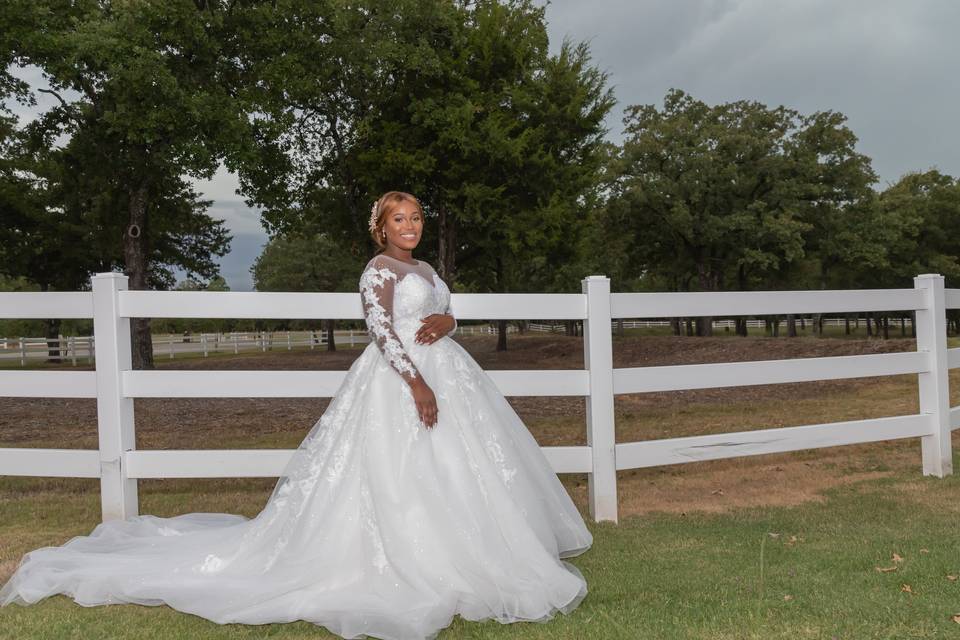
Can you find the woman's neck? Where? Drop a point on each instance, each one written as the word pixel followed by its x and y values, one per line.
pixel 401 255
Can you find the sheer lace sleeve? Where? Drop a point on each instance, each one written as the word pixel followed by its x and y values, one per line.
pixel 449 312
pixel 376 293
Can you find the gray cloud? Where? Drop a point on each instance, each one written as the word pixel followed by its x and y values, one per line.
pixel 888 66
pixel 242 221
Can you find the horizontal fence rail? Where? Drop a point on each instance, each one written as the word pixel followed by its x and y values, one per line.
pixel 115 384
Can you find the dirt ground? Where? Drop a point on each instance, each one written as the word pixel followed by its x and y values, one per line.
pixel 776 479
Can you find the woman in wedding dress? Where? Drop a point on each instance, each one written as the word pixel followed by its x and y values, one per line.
pixel 418 495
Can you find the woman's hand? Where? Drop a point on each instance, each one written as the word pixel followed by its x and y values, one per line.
pixel 438 324
pixel 426 402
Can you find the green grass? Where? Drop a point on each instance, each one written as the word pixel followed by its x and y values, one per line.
pixel 808 571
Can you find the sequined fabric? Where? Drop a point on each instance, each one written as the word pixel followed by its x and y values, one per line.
pixel 378 527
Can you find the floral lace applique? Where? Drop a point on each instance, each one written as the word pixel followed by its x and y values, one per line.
pixel 376 293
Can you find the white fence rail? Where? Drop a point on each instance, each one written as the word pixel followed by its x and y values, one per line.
pixel 115 384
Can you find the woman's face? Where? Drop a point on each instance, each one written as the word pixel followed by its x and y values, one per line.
pixel 404 226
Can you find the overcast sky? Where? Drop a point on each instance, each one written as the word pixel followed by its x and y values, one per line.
pixel 890 67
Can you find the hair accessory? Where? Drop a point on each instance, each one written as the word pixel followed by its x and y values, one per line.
pixel 373 214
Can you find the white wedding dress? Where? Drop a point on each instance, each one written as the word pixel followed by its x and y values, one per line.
pixel 378 526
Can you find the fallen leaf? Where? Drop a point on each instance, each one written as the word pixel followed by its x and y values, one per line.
pixel 951 578
pixel 897 557
pixel 717 492
pixel 924 550
pixel 885 569
pixel 906 589
pixel 956 618
pixel 788 597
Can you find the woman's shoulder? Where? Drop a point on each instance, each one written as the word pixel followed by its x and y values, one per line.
pixel 382 266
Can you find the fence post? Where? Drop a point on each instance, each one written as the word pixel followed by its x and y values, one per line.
pixel 598 359
pixel 934 384
pixel 118 493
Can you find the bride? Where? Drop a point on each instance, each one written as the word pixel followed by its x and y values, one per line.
pixel 419 494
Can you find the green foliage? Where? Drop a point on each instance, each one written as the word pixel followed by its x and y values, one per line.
pixel 157 100
pixel 921 217
pixel 733 195
pixel 459 103
pixel 311 262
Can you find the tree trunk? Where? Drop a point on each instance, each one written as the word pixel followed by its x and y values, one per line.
pixel 704 326
pixel 791 325
pixel 707 283
pixel 52 331
pixel 331 341
pixel 54 355
pixel 501 335
pixel 447 232
pixel 135 261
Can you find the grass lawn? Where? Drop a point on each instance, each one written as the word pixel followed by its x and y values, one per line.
pixel 807 571
pixel 842 542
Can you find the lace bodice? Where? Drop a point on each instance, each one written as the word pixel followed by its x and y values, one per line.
pixel 396 295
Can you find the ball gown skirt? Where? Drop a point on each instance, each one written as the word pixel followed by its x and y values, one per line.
pixel 378 526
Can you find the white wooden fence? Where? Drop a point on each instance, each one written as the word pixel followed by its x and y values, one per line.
pixel 115 385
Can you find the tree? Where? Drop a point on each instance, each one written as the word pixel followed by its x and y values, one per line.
pixel 923 211
pixel 730 194
pixel 306 262
pixel 459 103
pixel 159 97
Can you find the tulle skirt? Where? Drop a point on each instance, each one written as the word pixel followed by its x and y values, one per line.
pixel 377 527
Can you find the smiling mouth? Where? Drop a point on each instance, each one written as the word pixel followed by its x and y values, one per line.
pixel 408 235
